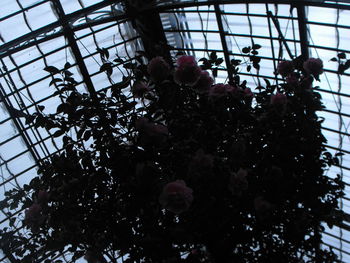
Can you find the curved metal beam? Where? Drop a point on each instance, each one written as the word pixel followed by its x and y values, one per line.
pixel 20 43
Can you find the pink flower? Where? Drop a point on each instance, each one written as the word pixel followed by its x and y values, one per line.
pixel 187 71
pixel 285 67
pixel 248 93
pixel 158 69
pixel 43 197
pixel 33 211
pixel 176 197
pixel 220 90
pixel 33 217
pixel 313 66
pixel 278 99
pixel 204 82
pixel 139 89
pixel 185 61
pixel 238 182
pixel 234 90
pixel 151 132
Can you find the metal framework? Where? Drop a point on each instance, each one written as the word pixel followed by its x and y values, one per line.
pixel 285 28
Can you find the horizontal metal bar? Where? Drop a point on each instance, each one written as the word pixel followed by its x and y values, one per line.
pixel 335 131
pixel 95 7
pixel 25 9
pixel 58 49
pixel 338 249
pixel 337 149
pixel 258 15
pixel 48 76
pixel 333 92
pixel 227 34
pixel 6 49
pixel 337 237
pixel 32 61
pixel 19 174
pixel 10 139
pixel 337 113
pixel 180 5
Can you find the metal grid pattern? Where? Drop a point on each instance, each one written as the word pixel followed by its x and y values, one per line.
pixel 72 30
pixel 226 29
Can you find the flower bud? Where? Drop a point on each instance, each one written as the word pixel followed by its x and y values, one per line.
pixel 313 66
pixel 139 89
pixel 176 197
pixel 285 68
pixel 204 82
pixel 187 71
pixel 158 69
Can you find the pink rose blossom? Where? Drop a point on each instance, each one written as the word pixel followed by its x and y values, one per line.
pixel 158 69
pixel 278 99
pixel 139 89
pixel 220 90
pixel 248 93
pixel 176 197
pixel 151 132
pixel 33 217
pixel 204 82
pixel 187 71
pixel 185 61
pixel 313 66
pixel 238 182
pixel 285 68
pixel 234 90
pixel 33 211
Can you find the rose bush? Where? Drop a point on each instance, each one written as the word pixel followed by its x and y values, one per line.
pixel 166 162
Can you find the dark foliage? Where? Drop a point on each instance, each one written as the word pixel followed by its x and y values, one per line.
pixel 181 174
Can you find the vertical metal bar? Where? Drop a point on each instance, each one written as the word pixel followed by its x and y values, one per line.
pixel 280 33
pixel 302 22
pixel 223 41
pixel 271 41
pixel 148 25
pixel 69 34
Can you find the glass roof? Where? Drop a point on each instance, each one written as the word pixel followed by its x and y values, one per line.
pixel 35 34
